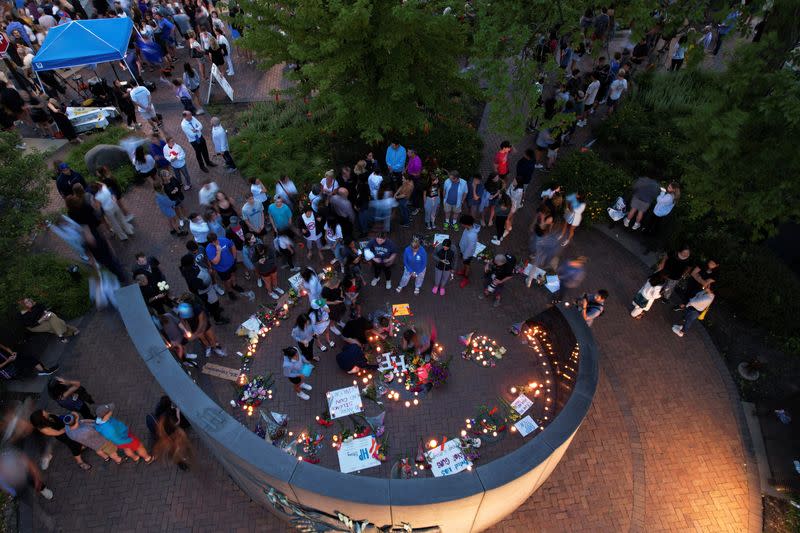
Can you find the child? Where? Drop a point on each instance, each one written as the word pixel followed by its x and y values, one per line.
pixel 444 258
pixel 320 320
pixel 293 370
pixel 431 202
pixel 311 231
pixel 351 289
pixel 220 138
pixel 466 246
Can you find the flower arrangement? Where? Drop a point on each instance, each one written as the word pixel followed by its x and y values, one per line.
pixel 163 286
pixel 383 450
pixel 310 444
pixel 254 392
pixel 324 419
pixel 488 424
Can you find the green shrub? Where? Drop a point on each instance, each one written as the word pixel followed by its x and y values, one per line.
pixel 44 278
pixel 600 182
pixel 125 174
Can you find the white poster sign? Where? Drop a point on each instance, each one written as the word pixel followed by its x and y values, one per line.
pixel 526 426
pixel 448 459
pixel 296 282
pixel 521 404
pixel 217 76
pixel 357 454
pixel 344 402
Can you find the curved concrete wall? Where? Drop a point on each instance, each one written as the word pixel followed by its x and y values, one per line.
pixel 311 495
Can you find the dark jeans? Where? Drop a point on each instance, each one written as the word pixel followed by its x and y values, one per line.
pixel 380 268
pixel 201 151
pixel 500 225
pixel 228 159
pixel 416 195
pixel 288 256
pixel 689 318
pixel 307 351
pixel 402 208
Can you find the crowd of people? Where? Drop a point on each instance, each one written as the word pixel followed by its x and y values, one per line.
pixel 348 219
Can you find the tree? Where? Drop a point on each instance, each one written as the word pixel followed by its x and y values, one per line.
pixel 378 67
pixel 509 33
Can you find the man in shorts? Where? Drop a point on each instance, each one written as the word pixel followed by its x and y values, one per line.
pixel 222 255
pixel 466 246
pixel 144 104
pixel 455 192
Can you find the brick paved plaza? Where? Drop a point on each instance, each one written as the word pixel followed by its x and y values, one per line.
pixel 661 449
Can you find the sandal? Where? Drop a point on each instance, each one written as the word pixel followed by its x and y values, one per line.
pixel 150 461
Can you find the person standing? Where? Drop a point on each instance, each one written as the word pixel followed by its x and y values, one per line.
pixel 111 211
pixel 280 216
pixel 220 138
pixel 675 265
pixel 589 98
pixel 222 255
pixel 384 254
pixel 455 193
pixel 194 134
pixel 303 334
pixel 293 370
pixel 649 293
pixel 84 432
pixel 118 433
pixel 144 105
pixel 467 246
pixel 395 161
pixel 415 260
pixel 403 196
pixel 51 425
pixel 573 215
pixel 593 305
pixel 525 168
pixel 679 54
pixel 253 216
pixel 695 308
pixel 615 90
pixel 501 160
pixel 174 153
pixel 414 173
pixel 444 259
pixel 66 178
pixel 645 191
pixel 431 202
pixel 310 227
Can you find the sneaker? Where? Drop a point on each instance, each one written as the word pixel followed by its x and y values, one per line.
pixel 274 295
pixel 219 290
pixel 388 285
pixel 306 386
pixel 441 291
pixel 44 463
pixel 416 290
pixel 187 186
pixel 677 329
pixel 303 396
pixel 435 290
pixel 323 348
pixel 446 225
pixel 336 331
pixel 191 356
pixel 454 225
pixel 219 351
pixel 46 493
pixel 48 371
pixel 259 283
pixel 295 269
pixel 332 344
pixel 636 226
pixel 181 223
pixel 626 222
pixel 279 290
pixel 208 351
pixel 399 289
pixel 374 281
pixel 538 166
pixel 495 241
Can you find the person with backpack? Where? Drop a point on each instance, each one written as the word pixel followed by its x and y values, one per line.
pixel 593 305
pixel 496 274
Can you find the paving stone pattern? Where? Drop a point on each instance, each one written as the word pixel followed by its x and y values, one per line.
pixel 659 451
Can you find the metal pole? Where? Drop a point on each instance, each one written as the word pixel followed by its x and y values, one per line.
pixel 130 71
pixel 40 81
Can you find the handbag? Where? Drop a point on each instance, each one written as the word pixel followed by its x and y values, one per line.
pixel 307 368
pixel 640 300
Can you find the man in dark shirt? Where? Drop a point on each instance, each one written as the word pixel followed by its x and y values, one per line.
pixel 675 265
pixel 497 273
pixel 702 275
pixel 355 331
pixel 66 178
pixel 351 359
pixel 149 267
pixel 640 52
pixel 525 168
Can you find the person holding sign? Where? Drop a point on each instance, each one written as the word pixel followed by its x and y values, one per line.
pixel 295 369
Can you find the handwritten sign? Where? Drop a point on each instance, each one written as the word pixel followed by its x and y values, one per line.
pixel 439 238
pixel 344 402
pixel 521 404
pixel 296 282
pixel 219 371
pixel 358 454
pixel 252 325
pixel 448 461
pixel 526 426
pixel 401 310
pixel 392 363
pixel 479 248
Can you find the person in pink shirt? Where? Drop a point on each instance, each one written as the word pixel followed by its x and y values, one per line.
pixel 414 173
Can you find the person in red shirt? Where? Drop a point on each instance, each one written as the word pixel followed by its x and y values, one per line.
pixel 501 159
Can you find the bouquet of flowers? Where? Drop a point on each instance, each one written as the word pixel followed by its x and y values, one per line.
pixel 310 443
pixel 324 419
pixel 254 392
pixel 383 450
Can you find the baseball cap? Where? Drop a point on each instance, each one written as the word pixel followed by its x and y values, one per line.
pixel 104 409
pixel 62 166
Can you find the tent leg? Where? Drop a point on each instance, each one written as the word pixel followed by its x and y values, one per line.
pixel 41 85
pixel 113 68
pixel 135 81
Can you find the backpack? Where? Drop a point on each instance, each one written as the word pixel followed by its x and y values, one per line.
pixel 511 260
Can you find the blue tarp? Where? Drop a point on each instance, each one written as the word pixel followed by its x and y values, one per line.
pixel 84 42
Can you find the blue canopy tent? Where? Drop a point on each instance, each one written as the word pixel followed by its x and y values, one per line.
pixel 84 42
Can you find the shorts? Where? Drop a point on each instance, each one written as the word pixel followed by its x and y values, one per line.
pixel 639 204
pixel 552 154
pixel 296 381
pixel 134 444
pixel 108 448
pixel 225 276
pixel 149 113
pixel 451 208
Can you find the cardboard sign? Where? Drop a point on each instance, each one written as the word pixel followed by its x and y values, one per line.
pixel 357 454
pixel 526 426
pixel 478 249
pixel 219 371
pixel 448 461
pixel 344 402
pixel 439 239
pixel 217 76
pixel 252 324
pixel 401 310
pixel 392 363
pixel 521 404
pixel 296 282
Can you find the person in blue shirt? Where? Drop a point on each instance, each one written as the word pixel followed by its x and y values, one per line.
pixel 414 261
pixel 455 194
pixel 725 28
pixel 384 254
pixel 280 216
pixel 396 160
pixel 119 434
pixel 221 253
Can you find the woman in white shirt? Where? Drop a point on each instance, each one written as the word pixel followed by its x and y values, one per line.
pixel 649 293
pixel 222 40
pixel 111 211
pixel 329 183
pixel 658 226
pixel 144 164
pixel 311 231
pixel 259 192
pixel 573 215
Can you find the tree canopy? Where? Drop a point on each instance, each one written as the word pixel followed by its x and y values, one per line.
pixel 379 67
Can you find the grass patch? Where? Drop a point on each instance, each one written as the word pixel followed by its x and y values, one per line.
pixel 125 174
